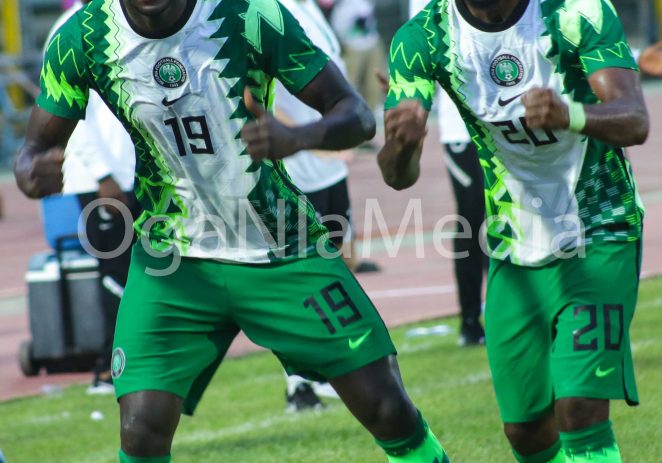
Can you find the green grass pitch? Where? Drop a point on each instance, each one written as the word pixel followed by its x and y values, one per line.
pixel 242 418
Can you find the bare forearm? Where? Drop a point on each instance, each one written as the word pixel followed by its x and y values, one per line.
pixel 346 125
pixel 400 167
pixel 618 122
pixel 23 172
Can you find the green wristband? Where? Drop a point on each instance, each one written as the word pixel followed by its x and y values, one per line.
pixel 576 116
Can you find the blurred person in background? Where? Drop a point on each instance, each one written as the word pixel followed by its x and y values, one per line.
pixel 99 162
pixel 356 25
pixel 466 177
pixel 322 176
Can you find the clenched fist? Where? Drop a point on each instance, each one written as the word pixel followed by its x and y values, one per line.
pixel 406 124
pixel 42 174
pixel 545 110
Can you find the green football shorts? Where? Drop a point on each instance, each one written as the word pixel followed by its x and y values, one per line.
pixel 562 330
pixel 173 331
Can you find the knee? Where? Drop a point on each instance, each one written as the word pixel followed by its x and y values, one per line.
pixel 143 435
pixel 391 412
pixel 518 434
pixel 532 437
pixel 576 413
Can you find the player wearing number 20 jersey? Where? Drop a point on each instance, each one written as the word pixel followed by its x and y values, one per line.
pixel 545 191
pixel 180 99
pixel 564 221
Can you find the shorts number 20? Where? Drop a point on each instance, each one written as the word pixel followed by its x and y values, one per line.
pixel 582 339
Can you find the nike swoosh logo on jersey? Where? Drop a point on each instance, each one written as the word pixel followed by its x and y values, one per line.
pixel 356 343
pixel 165 102
pixel 600 373
pixel 509 100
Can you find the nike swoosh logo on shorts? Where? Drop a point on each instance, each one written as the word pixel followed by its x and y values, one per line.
pixel 509 100
pixel 356 343
pixel 165 102
pixel 602 373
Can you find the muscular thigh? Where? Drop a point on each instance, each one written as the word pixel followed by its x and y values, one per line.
pixel 312 313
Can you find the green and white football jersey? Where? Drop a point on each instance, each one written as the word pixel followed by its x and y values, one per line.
pixel 546 192
pixel 180 97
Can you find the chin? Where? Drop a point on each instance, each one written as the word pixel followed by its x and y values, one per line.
pixel 150 7
pixel 483 4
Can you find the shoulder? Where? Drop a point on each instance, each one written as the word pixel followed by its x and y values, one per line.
pixel 593 11
pixel 570 19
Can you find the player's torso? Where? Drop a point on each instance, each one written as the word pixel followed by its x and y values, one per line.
pixel 182 95
pixel 497 68
pixel 535 171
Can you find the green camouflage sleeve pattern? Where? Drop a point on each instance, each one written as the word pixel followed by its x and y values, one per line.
pixel 64 77
pixel 596 32
pixel 410 67
pixel 283 49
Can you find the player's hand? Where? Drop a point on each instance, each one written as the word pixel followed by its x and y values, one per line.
pixel 109 189
pixel 406 124
pixel 266 137
pixel 382 80
pixel 46 174
pixel 545 110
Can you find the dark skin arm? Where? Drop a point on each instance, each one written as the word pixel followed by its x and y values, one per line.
pixel 405 130
pixel 620 119
pixel 346 120
pixel 38 166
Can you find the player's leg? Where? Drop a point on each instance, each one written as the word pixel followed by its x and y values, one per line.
pixel 467 181
pixel 327 328
pixel 519 337
pixel 148 420
pixel 591 359
pixel 376 396
pixel 172 332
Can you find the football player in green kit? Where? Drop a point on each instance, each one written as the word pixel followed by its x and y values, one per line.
pixel 550 94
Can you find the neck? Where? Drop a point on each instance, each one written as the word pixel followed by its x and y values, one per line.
pixel 494 15
pixel 153 20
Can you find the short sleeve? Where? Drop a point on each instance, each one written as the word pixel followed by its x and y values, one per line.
pixel 598 34
pixel 284 50
pixel 64 78
pixel 410 67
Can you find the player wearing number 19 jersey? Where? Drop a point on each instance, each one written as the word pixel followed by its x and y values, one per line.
pixel 549 92
pixel 191 81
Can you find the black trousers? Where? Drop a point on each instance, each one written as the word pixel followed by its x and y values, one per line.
pixel 105 233
pixel 467 180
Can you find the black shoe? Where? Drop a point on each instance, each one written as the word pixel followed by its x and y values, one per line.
pixel 366 266
pixel 471 334
pixel 303 398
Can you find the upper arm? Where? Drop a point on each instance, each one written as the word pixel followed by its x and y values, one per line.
pixel 611 84
pixel 281 46
pixel 602 50
pixel 326 89
pixel 410 68
pixel 597 36
pixel 46 130
pixel 64 78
